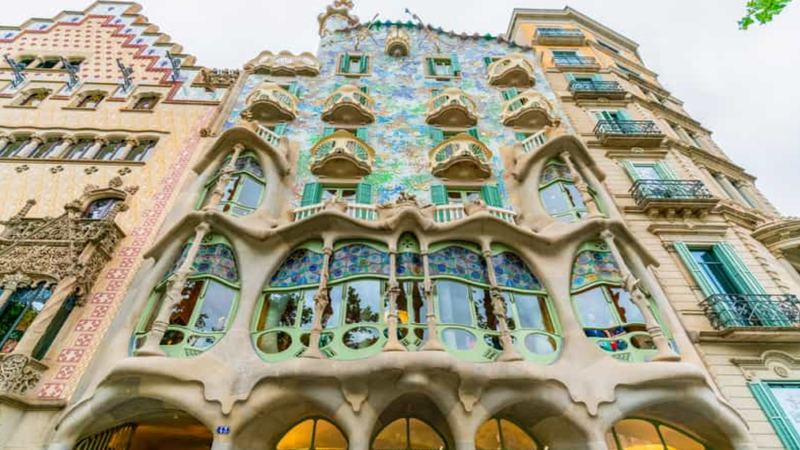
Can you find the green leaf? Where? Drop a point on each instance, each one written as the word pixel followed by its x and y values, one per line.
pixel 762 11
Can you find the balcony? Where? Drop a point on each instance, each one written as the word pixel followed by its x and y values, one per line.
pixel 398 43
pixel 628 133
pixel 452 108
pixel 512 71
pixel 270 103
pixel 350 106
pixel 673 197
pixel 559 36
pixel 354 210
pixel 774 318
pixel 610 90
pixel 461 158
pixel 534 142
pixel 576 63
pixel 528 110
pixel 452 213
pixel 285 64
pixel 341 155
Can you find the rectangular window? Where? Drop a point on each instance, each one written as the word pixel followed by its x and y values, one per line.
pixel 627 71
pixel 354 64
pixel 658 170
pixel 718 269
pixel 607 46
pixel 442 66
pixel 568 58
pixel 780 402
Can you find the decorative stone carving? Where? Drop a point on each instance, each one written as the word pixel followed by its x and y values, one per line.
pixel 211 79
pixel 17 375
pixel 56 169
pixel 22 168
pixel 90 170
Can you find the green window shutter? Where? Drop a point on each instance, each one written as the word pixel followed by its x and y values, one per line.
pixel 491 195
pixel 631 169
pixel 294 88
pixel 739 272
pixel 439 194
pixel 623 115
pixel 474 133
pixel 455 65
pixel 364 89
pixel 361 133
pixel 312 194
pixel 429 66
pixel 363 64
pixel 570 77
pixel 694 268
pixel 327 131
pixel 597 77
pixel 521 136
pixel 435 92
pixel 280 128
pixel 776 415
pixel 437 135
pixel 508 94
pixel 665 171
pixel 345 63
pixel 488 61
pixel 364 193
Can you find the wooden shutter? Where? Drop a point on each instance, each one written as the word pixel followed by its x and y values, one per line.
pixel 435 92
pixel 363 64
pixel 776 415
pixel 570 77
pixel 430 67
pixel 697 273
pixel 491 195
pixel 437 135
pixel 488 60
pixel 737 269
pixel 508 94
pixel 361 133
pixel 280 128
pixel 623 115
pixel 364 89
pixel 439 194
pixel 631 169
pixel 665 171
pixel 455 66
pixel 597 77
pixel 327 131
pixel 294 88
pixel 344 66
pixel 474 133
pixel 312 194
pixel 364 193
pixel 521 136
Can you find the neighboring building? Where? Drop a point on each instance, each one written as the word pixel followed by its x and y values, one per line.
pixel 414 239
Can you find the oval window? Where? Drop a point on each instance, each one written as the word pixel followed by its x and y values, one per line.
pixel 274 342
pixel 459 339
pixel 540 344
pixel 361 337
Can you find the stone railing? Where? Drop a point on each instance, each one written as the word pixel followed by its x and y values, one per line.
pixel 595 89
pixel 512 70
pixel 452 213
pixel 575 61
pixel 559 36
pixel 461 158
pixel 269 136
pixel 270 102
pixel 349 105
pixel 528 110
pixel 752 311
pixel 452 107
pixel 355 210
pixel 341 154
pixel 534 142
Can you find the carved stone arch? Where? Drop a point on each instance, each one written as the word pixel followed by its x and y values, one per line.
pixel 414 401
pixel 269 156
pixel 88 93
pixel 25 94
pixel 113 190
pixel 531 164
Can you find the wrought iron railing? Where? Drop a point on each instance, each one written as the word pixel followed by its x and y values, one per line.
pixel 629 127
pixel 559 32
pixel 669 189
pixel 575 61
pixel 595 86
pixel 752 311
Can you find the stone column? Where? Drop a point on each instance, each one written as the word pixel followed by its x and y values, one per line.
pixel 225 176
pixel 664 351
pixel 10 283
pixel 732 189
pixel 94 149
pixel 581 185
pixel 36 141
pixel 61 151
pixel 172 296
pixel 35 63
pixel 711 182
pixel 321 302
pixel 432 344
pixel 499 310
pixel 130 144
pixel 393 291
pixel 4 141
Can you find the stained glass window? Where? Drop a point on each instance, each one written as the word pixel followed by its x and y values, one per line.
pixel 512 272
pixel 409 265
pixel 301 268
pixel 460 262
pixel 18 312
pixel 358 259
pixel 313 434
pixel 408 434
pixel 592 267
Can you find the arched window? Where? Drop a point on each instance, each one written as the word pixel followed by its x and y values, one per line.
pixel 34 99
pixel 604 307
pixel 48 148
pixel 501 434
pixel 286 314
pixel 14 148
pixel 634 434
pixel 18 312
pixel 91 100
pixel 142 151
pixel 408 434
pixel 100 208
pixel 412 305
pixel 208 301
pixel 313 434
pixel 530 315
pixel 79 149
pixel 560 196
pixel 112 150
pixel 245 189
pixel 145 103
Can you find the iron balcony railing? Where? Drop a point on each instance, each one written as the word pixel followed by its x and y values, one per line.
pixel 595 86
pixel 669 189
pixel 751 311
pixel 575 61
pixel 626 127
pixel 559 32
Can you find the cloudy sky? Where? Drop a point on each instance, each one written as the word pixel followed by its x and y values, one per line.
pixel 738 84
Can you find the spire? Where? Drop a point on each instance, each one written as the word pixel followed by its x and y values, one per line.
pixel 337 17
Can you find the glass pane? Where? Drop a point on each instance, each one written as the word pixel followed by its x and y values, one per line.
pixel 627 310
pixel 788 396
pixel 555 202
pixel 676 440
pixel 250 193
pixel 637 434
pixel 423 437
pixel 328 437
pixel 419 304
pixel 182 312
pixel 330 318
pixel 361 337
pixel 488 436
pixel 540 344
pixel 715 272
pixel 574 196
pixel 216 307
pixel 454 305
pixel 298 438
pixel 280 310
pixel 647 172
pixel 392 437
pixel 363 301
pixel 458 339
pixel 593 309
pixel 514 438
pixel 483 309
pixel 274 342
pixel 532 312
pixel 230 189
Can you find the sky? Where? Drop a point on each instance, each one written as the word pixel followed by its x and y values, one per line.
pixel 736 83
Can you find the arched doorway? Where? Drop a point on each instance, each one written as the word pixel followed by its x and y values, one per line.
pixel 313 434
pixel 166 430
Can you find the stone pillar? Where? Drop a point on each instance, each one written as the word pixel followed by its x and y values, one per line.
pixel 754 198
pixel 225 176
pixel 94 149
pixel 4 141
pixel 499 310
pixel 35 142
pixel 61 151
pixel 393 291
pixel 172 296
pixel 732 189
pixel 321 302
pixel 581 185
pixel 664 351
pixel 432 344
pixel 130 144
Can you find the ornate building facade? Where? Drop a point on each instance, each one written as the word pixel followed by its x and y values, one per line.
pixel 412 239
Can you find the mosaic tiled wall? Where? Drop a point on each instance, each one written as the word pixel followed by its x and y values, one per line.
pixel 400 135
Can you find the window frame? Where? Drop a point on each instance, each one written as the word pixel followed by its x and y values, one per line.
pixel 367 66
pixel 237 179
pixel 429 66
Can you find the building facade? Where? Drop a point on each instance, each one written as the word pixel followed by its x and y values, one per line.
pixel 412 239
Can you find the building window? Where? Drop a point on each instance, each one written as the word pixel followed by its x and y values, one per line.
pixel 313 434
pixel 409 434
pixel 608 47
pixel 659 170
pixel 26 61
pixel 442 66
pixel 567 58
pixel 35 99
pixel 49 63
pixel 18 313
pixel 99 209
pixel 112 150
pixel 145 103
pixel 141 151
pixel 48 148
pixel 54 327
pixel 244 191
pixel 501 434
pixel 780 401
pixel 91 100
pixel 627 71
pixel 559 195
pixel 652 435
pixel 13 149
pixel 79 149
pixel 208 299
pixel 439 135
pixel 447 195
pixel 355 64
